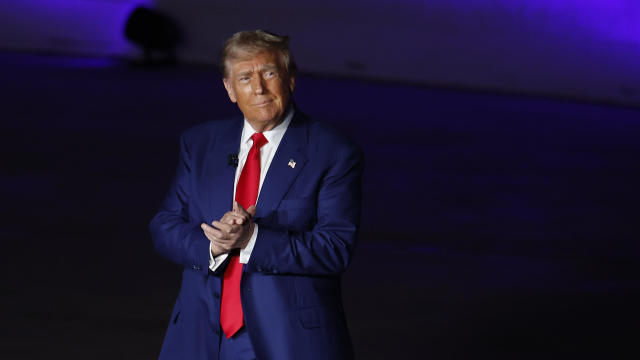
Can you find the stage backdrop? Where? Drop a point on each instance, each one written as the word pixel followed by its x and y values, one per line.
pixel 586 49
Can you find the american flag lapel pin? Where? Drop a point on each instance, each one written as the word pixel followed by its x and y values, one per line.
pixel 292 164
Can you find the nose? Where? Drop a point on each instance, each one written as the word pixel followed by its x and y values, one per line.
pixel 257 86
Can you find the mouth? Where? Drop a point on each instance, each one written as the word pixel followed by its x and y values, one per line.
pixel 263 103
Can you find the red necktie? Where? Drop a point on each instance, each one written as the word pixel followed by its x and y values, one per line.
pixel 231 318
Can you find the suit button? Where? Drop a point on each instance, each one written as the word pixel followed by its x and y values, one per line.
pixel 195 267
pixel 259 268
pixel 274 271
pixel 216 295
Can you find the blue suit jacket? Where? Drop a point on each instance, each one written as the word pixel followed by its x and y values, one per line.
pixel 308 219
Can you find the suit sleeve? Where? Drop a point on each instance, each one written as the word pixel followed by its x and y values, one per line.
pixel 176 236
pixel 328 247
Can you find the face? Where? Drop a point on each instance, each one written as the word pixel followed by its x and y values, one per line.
pixel 262 89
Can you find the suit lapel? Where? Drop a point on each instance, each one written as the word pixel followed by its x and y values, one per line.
pixel 220 175
pixel 287 163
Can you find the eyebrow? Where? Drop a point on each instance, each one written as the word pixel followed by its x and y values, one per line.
pixel 264 68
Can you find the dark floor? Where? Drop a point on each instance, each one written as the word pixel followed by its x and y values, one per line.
pixel 495 226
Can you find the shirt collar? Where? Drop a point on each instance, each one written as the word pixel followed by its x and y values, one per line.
pixel 271 135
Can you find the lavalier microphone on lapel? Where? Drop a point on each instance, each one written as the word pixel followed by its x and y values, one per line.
pixel 233 160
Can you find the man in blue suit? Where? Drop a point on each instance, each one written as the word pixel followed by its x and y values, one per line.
pixel 263 214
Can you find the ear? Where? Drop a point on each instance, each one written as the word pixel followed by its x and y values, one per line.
pixel 230 91
pixel 292 83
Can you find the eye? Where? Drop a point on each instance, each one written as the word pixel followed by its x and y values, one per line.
pixel 244 79
pixel 269 74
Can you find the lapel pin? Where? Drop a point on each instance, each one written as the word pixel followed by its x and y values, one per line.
pixel 292 163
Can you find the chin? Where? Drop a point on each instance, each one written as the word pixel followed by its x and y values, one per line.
pixel 263 119
pixel 271 116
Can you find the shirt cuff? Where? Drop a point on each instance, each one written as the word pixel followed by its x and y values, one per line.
pixel 214 262
pixel 245 253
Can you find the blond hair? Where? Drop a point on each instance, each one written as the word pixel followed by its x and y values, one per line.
pixel 244 45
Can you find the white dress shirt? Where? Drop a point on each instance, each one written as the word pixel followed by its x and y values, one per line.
pixel 268 150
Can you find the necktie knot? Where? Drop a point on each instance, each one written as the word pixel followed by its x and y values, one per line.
pixel 258 140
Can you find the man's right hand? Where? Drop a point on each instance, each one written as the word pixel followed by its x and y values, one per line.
pixel 233 231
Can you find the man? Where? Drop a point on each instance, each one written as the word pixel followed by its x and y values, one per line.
pixel 263 215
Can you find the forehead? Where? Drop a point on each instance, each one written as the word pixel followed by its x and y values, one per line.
pixel 261 60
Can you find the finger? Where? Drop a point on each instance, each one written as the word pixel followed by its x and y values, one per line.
pixel 226 228
pixel 217 248
pixel 221 244
pixel 234 218
pixel 238 208
pixel 227 219
pixel 209 232
pixel 251 210
pixel 205 227
pixel 213 232
pixel 222 226
pixel 205 230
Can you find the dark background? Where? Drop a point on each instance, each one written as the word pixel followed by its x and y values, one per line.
pixel 495 225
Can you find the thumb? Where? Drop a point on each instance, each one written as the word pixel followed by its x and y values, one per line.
pixel 237 207
pixel 252 210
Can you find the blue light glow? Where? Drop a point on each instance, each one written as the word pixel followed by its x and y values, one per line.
pixel 76 26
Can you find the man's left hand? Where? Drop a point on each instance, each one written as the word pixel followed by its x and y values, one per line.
pixel 232 231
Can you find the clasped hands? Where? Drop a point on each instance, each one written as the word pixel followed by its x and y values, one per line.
pixel 232 231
